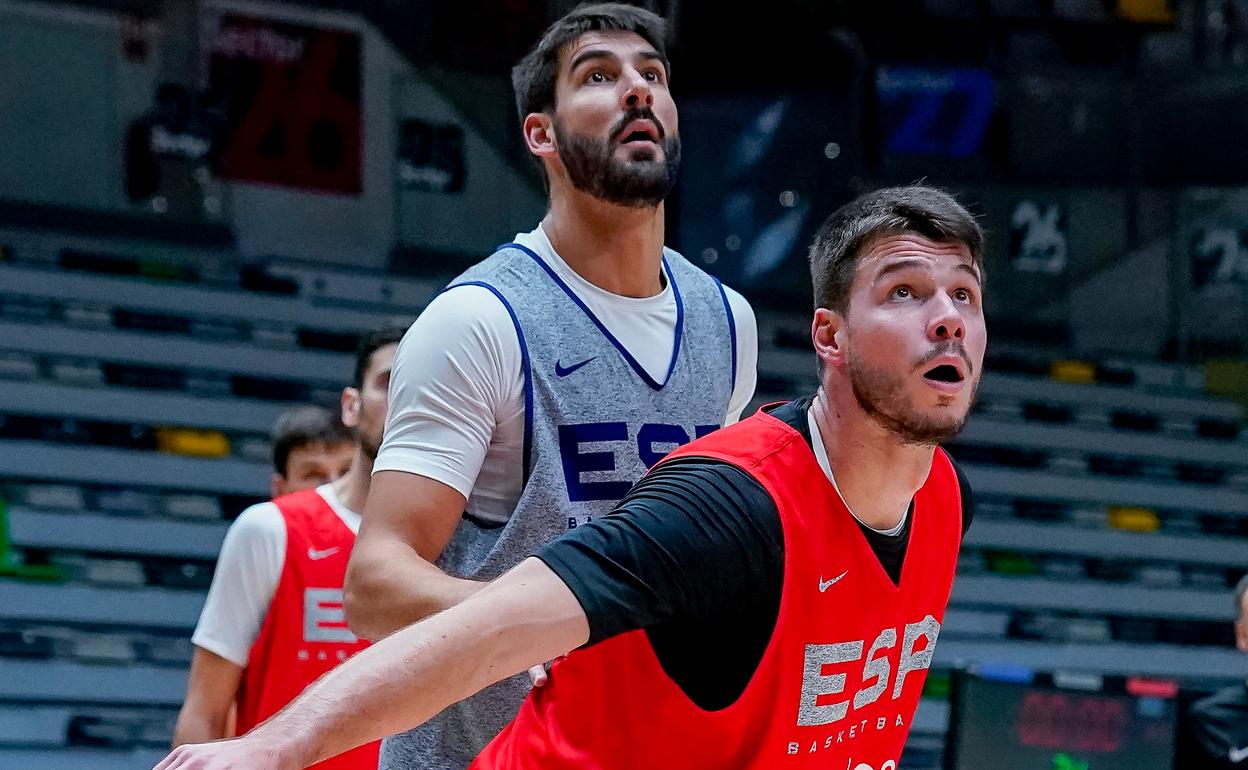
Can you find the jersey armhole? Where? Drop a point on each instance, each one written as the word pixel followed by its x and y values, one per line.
pixel 732 335
pixel 524 370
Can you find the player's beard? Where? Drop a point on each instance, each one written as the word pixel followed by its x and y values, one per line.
pixel 642 181
pixel 370 444
pixel 882 396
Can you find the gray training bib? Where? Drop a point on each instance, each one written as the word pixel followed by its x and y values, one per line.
pixel 594 422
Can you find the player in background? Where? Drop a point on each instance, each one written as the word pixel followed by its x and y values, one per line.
pixel 273 620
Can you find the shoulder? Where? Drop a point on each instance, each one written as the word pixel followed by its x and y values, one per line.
pixel 745 444
pixel 463 318
pixel 262 522
pixel 464 307
pixel 742 312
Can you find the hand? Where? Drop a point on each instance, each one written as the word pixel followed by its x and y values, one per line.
pixel 236 754
pixel 538 675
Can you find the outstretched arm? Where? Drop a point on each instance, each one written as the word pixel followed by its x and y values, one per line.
pixel 522 619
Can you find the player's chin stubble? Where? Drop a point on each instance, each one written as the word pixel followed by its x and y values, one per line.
pixel 637 183
pixel 882 397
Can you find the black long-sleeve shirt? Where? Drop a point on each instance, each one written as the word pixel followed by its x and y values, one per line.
pixel 694 554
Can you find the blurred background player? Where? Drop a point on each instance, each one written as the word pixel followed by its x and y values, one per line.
pixel 532 393
pixel 273 619
pixel 311 447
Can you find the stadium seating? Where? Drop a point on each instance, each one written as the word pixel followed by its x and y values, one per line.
pixel 137 388
pixel 1111 498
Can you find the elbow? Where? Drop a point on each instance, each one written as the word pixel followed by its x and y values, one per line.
pixel 358 611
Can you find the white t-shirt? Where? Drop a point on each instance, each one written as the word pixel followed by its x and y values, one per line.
pixel 248 569
pixel 457 389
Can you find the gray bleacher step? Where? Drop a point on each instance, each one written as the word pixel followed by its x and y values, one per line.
pixel 100 465
pixel 27 309
pixel 73 603
pixel 1164 660
pixel 61 681
pixel 77 373
pixel 121 404
pixel 166 650
pixel 254 449
pixel 277 338
pixel 1100 491
pixel 17 367
pixel 1106 544
pixel 128 502
pixel 1091 597
pixel 996 385
pixel 53 496
pixel 103 648
pixel 177 352
pixel 113 572
pixel 79 759
pixel 87 316
pixel 1160 576
pixel 1117 442
pixel 159 296
pixel 354 288
pixel 193 507
pixel 30 726
pixel 975 623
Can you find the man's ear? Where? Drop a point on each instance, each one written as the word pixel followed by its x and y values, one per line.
pixel 350 407
pixel 1241 634
pixel 829 337
pixel 276 485
pixel 539 134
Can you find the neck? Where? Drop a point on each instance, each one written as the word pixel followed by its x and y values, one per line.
pixel 352 487
pixel 616 248
pixel 877 474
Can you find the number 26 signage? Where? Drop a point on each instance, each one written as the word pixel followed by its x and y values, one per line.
pixel 291 95
pixel 1219 255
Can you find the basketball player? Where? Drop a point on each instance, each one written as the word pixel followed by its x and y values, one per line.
pixel 311 447
pixel 531 394
pixel 770 596
pixel 273 622
pixel 1219 723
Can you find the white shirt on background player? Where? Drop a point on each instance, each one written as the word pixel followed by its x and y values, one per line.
pixel 457 389
pixel 248 570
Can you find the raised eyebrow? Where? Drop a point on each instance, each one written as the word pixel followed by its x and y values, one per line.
pixel 654 56
pixel 589 54
pixel 897 267
pixel 971 271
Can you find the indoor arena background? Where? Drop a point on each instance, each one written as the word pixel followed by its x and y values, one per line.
pixel 203 203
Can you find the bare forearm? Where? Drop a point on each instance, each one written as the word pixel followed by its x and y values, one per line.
pixel 195 726
pixel 410 676
pixel 394 588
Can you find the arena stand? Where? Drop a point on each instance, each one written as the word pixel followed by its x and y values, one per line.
pixel 137 394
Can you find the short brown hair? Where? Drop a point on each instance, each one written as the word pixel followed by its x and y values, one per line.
pixel 534 77
pixel 305 426
pixel 836 249
pixel 390 334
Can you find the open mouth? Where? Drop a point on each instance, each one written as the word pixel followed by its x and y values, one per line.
pixel 639 130
pixel 944 373
pixel 637 136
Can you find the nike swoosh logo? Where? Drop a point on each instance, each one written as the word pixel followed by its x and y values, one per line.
pixel 1237 755
pixel 563 371
pixel 826 584
pixel 316 555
